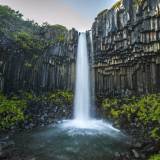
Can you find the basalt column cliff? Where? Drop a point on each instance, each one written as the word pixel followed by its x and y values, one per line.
pixel 126 44
pixel 22 68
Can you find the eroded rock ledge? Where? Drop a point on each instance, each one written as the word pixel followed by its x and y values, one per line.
pixel 126 41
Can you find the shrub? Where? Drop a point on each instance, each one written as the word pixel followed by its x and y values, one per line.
pixel 138 2
pixel 117 4
pixel 28 41
pixel 145 110
pixel 61 97
pixel 155 157
pixel 11 111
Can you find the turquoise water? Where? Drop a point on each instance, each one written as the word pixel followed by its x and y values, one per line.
pixel 58 143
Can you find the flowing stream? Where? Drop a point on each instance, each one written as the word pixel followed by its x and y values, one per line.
pixel 83 137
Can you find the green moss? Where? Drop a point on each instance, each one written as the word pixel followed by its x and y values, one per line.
pixel 28 96
pixel 28 65
pixel 138 2
pixel 27 41
pixel 11 111
pixel 61 38
pixel 109 103
pixel 61 97
pixel 145 110
pixel 59 27
pixel 115 113
pixel 117 4
pixel 155 157
pixel 155 133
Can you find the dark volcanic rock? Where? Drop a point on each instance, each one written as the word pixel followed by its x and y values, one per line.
pixel 126 48
pixel 42 113
pixel 52 70
pixel 6 147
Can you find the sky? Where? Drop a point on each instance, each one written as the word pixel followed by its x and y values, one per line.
pixel 79 14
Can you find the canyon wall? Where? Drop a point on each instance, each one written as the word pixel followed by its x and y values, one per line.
pixel 52 70
pixel 126 48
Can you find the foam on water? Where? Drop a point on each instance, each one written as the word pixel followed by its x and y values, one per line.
pixel 90 127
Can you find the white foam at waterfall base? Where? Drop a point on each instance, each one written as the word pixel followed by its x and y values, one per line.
pixel 90 127
pixel 83 123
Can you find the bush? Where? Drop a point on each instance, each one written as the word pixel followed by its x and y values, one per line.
pixel 144 110
pixel 28 41
pixel 138 2
pixel 117 4
pixel 61 97
pixel 155 157
pixel 11 111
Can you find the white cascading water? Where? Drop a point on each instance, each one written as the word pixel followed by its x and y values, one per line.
pixel 82 103
pixel 82 92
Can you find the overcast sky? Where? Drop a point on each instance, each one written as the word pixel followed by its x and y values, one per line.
pixel 70 13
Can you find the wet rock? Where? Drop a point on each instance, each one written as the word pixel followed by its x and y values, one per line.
pixel 117 155
pixel 137 145
pixel 135 153
pixel 5 147
pixel 32 158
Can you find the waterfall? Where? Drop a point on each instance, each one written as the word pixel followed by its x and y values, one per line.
pixel 82 101
pixel 82 92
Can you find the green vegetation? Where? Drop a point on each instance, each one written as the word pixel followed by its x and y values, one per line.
pixel 61 97
pixel 61 38
pixel 58 98
pixel 155 157
pixel 117 4
pixel 145 111
pixel 11 111
pixel 28 35
pixel 138 2
pixel 27 41
pixel 24 40
pixel 28 65
pixel 12 21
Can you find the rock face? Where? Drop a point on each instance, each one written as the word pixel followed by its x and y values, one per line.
pixel 1 76
pixel 43 113
pixel 126 45
pixel 55 69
